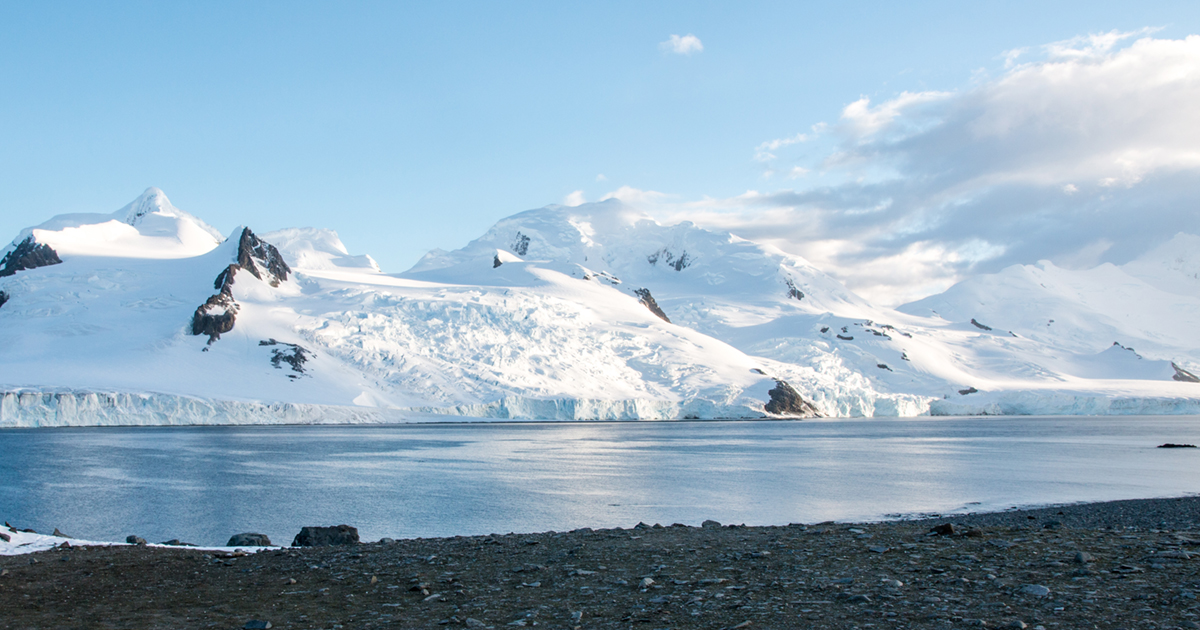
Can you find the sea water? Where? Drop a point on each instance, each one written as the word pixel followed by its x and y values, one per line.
pixel 203 484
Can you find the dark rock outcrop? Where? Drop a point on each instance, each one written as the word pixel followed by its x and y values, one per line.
pixel 28 254
pixel 647 300
pixel 248 539
pixel 786 401
pixel 3 298
pixel 290 353
pixel 793 292
pixel 254 253
pixel 135 540
pixel 520 244
pixel 678 263
pixel 1171 445
pixel 325 536
pixel 215 317
pixel 219 313
pixel 980 326
pixel 1181 374
pixel 969 390
pixel 496 262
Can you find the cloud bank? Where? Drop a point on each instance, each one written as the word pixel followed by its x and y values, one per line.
pixel 1089 153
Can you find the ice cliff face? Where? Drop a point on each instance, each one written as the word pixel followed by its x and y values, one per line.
pixel 589 312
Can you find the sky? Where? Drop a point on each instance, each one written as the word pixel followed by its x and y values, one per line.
pixel 899 146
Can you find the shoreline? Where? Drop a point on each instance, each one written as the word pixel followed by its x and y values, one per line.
pixel 1118 564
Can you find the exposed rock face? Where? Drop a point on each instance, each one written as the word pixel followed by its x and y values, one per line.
pixel 3 298
pixel 254 253
pixel 496 262
pixel 647 300
pixel 215 317
pixel 520 244
pixel 793 292
pixel 290 353
pixel 324 536
pixel 249 539
pixel 980 326
pixel 1181 374
pixel 29 254
pixel 678 263
pixel 786 401
pixel 219 313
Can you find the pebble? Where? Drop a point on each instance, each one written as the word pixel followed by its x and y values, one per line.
pixel 646 583
pixel 1037 590
pixel 1083 557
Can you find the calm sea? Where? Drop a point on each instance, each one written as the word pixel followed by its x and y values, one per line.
pixel 203 484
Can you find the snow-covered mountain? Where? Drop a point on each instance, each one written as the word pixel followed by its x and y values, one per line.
pixel 148 315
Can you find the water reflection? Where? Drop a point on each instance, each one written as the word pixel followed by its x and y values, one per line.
pixel 203 484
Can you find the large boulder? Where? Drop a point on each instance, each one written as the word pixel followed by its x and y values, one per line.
pixel 248 539
pixel 325 536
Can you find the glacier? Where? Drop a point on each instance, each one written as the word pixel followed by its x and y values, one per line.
pixel 591 312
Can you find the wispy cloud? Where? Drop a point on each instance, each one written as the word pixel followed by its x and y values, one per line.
pixel 1088 153
pixel 682 45
pixel 762 152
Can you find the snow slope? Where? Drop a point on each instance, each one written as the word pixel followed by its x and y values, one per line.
pixel 588 312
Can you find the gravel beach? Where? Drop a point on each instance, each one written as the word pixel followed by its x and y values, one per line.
pixel 1125 564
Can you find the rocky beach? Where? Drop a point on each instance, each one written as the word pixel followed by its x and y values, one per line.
pixel 1125 564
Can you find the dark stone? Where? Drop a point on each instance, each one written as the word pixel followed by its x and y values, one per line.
pixel 248 539
pixel 253 252
pixel 980 326
pixel 520 244
pixel 496 261
pixel 883 366
pixel 710 524
pixel 291 354
pixel 1052 525
pixel 3 298
pixel 679 263
pixel 786 401
pixel 175 542
pixel 647 300
pixel 257 624
pixel 28 254
pixel 1181 374
pixel 945 529
pixel 135 540
pixel 793 292
pixel 969 390
pixel 325 536
pixel 60 534
pixel 1172 445
pixel 215 317
pixel 846 337
pixel 5 537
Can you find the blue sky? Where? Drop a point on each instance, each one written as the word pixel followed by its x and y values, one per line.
pixel 412 126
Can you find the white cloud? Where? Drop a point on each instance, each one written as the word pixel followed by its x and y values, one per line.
pixel 574 199
pixel 684 45
pixel 1090 153
pixel 601 178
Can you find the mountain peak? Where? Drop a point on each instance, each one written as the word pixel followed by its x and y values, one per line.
pixel 152 200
